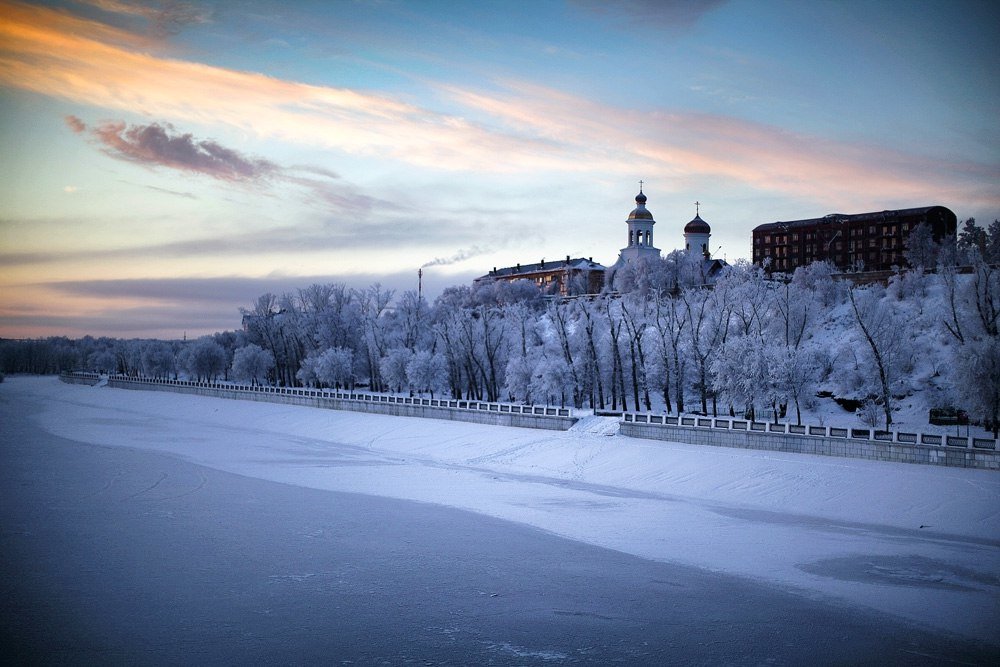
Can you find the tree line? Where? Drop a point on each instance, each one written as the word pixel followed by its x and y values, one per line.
pixel 751 344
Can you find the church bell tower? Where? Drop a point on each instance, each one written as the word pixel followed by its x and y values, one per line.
pixel 640 232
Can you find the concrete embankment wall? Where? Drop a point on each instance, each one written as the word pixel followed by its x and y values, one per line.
pixel 928 449
pixel 477 412
pixel 80 378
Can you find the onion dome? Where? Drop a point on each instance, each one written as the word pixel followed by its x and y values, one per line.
pixel 640 212
pixel 697 226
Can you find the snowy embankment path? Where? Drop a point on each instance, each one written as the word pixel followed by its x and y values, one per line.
pixel 919 542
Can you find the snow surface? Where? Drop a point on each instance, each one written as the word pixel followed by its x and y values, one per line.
pixel 920 542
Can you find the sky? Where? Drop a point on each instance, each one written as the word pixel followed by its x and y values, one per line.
pixel 165 163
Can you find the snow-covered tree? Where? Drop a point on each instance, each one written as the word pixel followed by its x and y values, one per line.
pixel 518 376
pixel 551 380
pixel 589 331
pixel 921 249
pixel 972 237
pixel 204 359
pixel 978 380
pixel 158 360
pixel 427 372
pixel 742 371
pixel 252 364
pixel 393 368
pixel 794 372
pixel 878 330
pixel 991 254
pixel 669 326
pixel 336 367
pixel 373 303
pixel 706 327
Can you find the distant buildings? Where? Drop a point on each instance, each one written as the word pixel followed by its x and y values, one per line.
pixel 559 278
pixel 585 276
pixel 862 242
pixel 859 242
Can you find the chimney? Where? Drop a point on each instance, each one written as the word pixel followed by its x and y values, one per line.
pixel 543 263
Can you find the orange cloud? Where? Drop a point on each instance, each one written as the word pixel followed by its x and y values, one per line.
pixel 762 156
pixel 54 54
pixel 521 128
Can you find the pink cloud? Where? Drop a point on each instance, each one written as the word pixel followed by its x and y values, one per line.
pixel 76 124
pixel 516 128
pixel 156 145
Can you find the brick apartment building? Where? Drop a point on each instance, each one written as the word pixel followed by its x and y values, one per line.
pixel 864 241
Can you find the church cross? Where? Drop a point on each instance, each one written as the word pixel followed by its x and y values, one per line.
pixel 640 186
pixel 697 207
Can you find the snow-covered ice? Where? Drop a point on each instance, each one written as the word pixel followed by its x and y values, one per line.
pixel 918 542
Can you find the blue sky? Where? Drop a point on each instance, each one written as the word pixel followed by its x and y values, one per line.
pixel 166 162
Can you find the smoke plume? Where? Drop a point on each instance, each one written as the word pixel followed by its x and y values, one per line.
pixel 461 255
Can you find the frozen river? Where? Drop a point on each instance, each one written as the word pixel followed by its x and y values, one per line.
pixel 114 554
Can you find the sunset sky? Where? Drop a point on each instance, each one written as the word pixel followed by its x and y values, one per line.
pixel 164 163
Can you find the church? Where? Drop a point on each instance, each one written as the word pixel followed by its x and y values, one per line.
pixel 572 277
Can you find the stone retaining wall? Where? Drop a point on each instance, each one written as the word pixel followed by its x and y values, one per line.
pixel 929 449
pixel 478 412
pixel 80 378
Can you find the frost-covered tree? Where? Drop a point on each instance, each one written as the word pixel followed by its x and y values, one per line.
pixel 158 360
pixel 991 254
pixel 393 368
pixel 817 279
pixel 373 303
pixel 102 360
pixel 550 381
pixel 559 316
pixel 921 249
pixel 707 318
pixel 331 368
pixel 204 359
pixel 878 330
pixel 669 327
pixel 589 333
pixel 742 371
pixel 636 314
pixel 252 364
pixel 794 372
pixel 427 372
pixel 972 237
pixel 616 335
pixel 270 324
pixel 796 310
pixel 409 322
pixel 518 375
pixel 978 380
